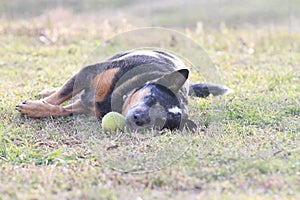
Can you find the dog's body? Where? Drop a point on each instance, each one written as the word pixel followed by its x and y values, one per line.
pixel 148 87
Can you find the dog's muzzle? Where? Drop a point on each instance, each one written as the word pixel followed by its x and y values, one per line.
pixel 141 117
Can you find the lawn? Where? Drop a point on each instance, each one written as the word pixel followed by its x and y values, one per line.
pixel 247 146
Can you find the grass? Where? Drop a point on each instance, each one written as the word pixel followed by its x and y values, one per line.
pixel 247 146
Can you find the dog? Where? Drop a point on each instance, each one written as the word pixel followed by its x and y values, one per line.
pixel 148 87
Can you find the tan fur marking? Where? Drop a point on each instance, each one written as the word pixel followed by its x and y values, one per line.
pixel 55 99
pixel 135 99
pixel 46 92
pixel 102 83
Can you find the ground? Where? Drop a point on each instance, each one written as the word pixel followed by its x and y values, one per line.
pixel 247 145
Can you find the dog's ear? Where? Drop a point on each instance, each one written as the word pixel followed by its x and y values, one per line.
pixel 175 80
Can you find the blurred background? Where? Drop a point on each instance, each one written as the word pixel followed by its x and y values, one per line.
pixel 164 13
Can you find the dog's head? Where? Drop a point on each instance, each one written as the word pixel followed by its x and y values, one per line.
pixel 156 104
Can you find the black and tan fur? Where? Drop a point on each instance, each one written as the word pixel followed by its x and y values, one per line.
pixel 124 83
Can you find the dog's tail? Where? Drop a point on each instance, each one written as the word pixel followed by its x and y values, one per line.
pixel 205 89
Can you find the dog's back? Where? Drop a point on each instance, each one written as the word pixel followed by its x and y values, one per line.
pixel 129 71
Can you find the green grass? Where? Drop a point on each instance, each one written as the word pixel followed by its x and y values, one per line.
pixel 247 146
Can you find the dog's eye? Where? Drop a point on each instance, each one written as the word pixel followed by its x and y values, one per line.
pixel 150 100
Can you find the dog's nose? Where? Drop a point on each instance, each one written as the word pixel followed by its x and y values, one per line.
pixel 140 118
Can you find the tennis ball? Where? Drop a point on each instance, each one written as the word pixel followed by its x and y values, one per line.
pixel 113 121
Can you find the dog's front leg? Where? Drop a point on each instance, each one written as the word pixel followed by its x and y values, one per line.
pixel 49 106
pixel 38 109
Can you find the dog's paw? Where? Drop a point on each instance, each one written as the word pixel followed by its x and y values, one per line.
pixel 18 106
pixel 34 109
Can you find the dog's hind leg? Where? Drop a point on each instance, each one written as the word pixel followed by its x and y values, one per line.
pixel 46 92
pixel 64 93
pixel 49 106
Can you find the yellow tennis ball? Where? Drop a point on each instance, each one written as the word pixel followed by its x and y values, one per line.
pixel 113 121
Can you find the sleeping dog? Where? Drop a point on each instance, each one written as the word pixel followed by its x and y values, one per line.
pixel 148 87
